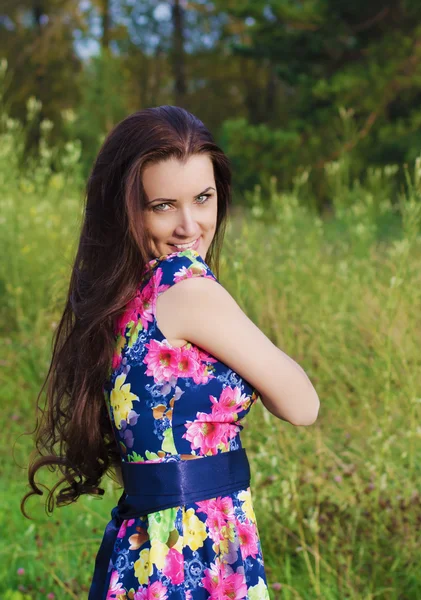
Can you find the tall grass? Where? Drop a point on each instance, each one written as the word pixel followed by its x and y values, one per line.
pixel 338 503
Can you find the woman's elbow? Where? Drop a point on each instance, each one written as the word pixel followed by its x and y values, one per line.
pixel 310 415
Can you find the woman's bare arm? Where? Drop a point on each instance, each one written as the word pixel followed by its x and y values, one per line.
pixel 203 312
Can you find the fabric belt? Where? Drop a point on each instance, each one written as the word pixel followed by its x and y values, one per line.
pixel 150 487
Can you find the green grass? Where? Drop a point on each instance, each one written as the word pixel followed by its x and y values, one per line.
pixel 338 503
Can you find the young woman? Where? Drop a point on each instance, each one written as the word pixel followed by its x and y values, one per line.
pixel 154 368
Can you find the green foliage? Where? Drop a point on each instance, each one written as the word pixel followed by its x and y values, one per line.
pixel 268 78
pixel 327 55
pixel 101 106
pixel 257 152
pixel 15 595
pixel 25 185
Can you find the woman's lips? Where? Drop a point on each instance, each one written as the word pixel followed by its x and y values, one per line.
pixel 193 247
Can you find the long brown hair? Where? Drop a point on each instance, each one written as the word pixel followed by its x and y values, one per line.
pixel 75 434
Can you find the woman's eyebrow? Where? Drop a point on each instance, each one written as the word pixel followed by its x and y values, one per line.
pixel 173 200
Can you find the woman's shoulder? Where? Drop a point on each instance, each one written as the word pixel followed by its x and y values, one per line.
pixel 169 269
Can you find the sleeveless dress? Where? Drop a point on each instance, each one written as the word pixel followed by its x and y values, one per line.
pixel 171 404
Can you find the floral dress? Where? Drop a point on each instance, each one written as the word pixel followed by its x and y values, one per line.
pixel 167 403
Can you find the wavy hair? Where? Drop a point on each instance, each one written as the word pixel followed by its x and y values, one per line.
pixel 73 432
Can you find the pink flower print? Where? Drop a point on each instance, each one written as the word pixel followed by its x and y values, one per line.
pixel 174 566
pixel 230 402
pixel 217 534
pixel 223 583
pixel 187 364
pixel 219 512
pixel 222 507
pixel 204 434
pixel 203 356
pixel 161 360
pixel 142 305
pixel 115 589
pixel 166 363
pixel 141 594
pixel 157 591
pixel 191 365
pixel 188 595
pixel 209 430
pixel 131 313
pixel 216 523
pixel 203 374
pixel 158 288
pixel 156 278
pixel 248 539
pixel 117 358
pixel 122 531
pixel 147 300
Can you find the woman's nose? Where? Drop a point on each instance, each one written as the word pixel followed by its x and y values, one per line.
pixel 187 224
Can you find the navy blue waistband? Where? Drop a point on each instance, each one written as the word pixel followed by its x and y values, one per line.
pixel 150 487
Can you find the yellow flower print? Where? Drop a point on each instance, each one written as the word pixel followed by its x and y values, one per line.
pixel 245 496
pixel 259 591
pixel 141 567
pixel 179 545
pixel 227 535
pixel 134 330
pixel 194 530
pixel 158 553
pixel 121 400
pixel 121 340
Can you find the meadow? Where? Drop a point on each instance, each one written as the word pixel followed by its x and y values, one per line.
pixel 338 503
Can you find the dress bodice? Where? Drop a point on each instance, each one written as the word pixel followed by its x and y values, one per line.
pixel 165 402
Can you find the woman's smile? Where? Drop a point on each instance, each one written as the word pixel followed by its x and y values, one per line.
pixel 194 245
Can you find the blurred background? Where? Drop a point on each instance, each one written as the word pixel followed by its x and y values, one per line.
pixel 317 104
pixel 284 85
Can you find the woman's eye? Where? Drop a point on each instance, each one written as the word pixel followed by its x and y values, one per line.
pixel 157 209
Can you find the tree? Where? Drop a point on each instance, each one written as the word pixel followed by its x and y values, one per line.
pixel 37 40
pixel 178 61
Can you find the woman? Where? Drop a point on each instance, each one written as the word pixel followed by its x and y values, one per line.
pixel 155 367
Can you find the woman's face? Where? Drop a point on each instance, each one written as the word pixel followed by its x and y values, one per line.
pixel 181 204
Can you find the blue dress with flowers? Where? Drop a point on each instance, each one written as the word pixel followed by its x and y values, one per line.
pixel 167 403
